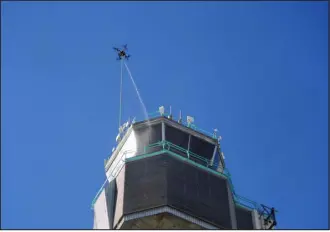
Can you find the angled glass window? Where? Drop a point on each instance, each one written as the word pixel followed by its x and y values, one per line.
pixel 201 147
pixel 146 136
pixel 178 138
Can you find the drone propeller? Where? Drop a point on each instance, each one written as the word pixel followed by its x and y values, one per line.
pixel 116 49
pixel 125 47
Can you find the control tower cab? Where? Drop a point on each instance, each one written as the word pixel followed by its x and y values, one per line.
pixel 169 174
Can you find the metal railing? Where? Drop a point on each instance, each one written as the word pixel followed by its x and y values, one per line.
pixel 168 147
pixel 192 126
pixel 242 201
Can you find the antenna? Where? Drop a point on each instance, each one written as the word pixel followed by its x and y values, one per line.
pixel 190 120
pixel 215 133
pixel 170 116
pixel 162 110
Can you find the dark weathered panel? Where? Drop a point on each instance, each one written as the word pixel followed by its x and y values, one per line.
pixel 145 184
pixel 244 218
pixel 198 192
pixel 165 180
pixel 111 195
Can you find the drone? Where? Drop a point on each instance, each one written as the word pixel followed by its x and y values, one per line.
pixel 122 52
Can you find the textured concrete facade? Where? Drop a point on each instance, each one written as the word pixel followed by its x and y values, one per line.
pixel 244 218
pixel 164 180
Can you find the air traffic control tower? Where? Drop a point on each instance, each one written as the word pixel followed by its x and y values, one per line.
pixel 168 174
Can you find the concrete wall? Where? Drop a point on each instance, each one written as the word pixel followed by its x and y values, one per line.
pixel 198 192
pixel 244 218
pixel 164 180
pixel 129 145
pixel 145 184
pixel 101 220
pixel 148 135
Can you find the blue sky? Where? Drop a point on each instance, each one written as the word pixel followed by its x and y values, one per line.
pixel 257 71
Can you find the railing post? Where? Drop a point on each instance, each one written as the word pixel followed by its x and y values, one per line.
pixel 163 144
pixel 188 146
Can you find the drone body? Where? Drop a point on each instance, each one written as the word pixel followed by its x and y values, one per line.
pixel 122 53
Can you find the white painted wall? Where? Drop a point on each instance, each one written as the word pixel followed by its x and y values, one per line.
pixel 129 148
pixel 94 224
pixel 101 220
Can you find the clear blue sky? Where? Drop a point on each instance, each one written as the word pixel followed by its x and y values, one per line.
pixel 257 71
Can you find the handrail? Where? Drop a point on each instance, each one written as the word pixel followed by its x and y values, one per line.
pixel 169 144
pixel 246 202
pixel 238 200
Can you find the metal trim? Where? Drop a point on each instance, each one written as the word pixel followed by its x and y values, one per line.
pixel 166 152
